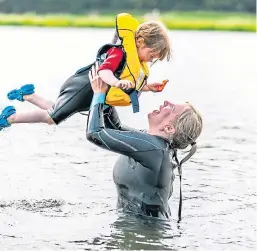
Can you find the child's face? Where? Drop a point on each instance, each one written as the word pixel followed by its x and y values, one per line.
pixel 146 54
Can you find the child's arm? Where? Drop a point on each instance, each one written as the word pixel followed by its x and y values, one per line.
pixel 108 77
pixel 109 66
pixel 155 87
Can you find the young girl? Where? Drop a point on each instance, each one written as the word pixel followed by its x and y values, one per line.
pixel 123 66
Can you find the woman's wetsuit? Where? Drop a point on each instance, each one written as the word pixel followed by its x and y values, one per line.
pixel 143 174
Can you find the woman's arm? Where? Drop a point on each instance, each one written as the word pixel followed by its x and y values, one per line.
pixel 112 120
pixel 130 143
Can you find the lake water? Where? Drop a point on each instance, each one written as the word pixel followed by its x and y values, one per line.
pixel 56 188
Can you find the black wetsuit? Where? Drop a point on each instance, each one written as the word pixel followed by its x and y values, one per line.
pixel 75 96
pixel 76 93
pixel 143 174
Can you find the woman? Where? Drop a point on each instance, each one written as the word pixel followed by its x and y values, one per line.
pixel 144 172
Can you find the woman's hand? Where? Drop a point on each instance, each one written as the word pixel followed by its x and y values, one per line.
pixel 97 84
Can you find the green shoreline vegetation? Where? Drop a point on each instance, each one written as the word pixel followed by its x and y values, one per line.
pixel 173 20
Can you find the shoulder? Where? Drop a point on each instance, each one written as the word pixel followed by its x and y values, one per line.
pixel 115 50
pixel 148 140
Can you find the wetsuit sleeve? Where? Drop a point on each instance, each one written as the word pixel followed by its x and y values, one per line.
pixel 112 120
pixel 130 143
pixel 115 55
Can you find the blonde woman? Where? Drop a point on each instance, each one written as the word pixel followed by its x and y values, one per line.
pixel 143 174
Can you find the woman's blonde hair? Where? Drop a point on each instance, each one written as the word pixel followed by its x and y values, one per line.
pixel 188 127
pixel 155 37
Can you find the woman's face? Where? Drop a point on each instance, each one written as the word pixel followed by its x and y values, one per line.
pixel 167 113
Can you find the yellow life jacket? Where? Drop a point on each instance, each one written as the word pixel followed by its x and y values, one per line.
pixel 133 70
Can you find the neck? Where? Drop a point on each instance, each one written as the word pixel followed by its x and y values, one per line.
pixel 161 134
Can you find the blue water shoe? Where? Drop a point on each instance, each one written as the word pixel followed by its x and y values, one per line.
pixel 7 112
pixel 19 93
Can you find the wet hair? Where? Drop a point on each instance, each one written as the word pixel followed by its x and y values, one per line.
pixel 188 127
pixel 156 37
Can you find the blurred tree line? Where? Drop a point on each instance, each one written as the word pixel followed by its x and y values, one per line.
pixel 111 6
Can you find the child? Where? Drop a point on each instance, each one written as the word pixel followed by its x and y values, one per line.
pixel 122 66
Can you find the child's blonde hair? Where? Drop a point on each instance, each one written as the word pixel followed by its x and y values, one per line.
pixel 155 37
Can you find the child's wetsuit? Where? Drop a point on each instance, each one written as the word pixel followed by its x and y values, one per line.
pixel 76 93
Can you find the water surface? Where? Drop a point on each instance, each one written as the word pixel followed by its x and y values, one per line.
pixel 56 188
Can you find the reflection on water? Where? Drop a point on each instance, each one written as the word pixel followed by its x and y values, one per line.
pixel 56 188
pixel 134 233
pixel 129 232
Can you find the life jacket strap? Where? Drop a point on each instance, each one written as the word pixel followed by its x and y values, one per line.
pixel 134 101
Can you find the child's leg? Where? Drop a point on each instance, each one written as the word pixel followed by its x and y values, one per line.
pixel 9 116
pixel 38 101
pixel 38 116
pixel 75 96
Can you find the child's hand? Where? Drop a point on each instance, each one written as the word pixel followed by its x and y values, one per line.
pixel 124 84
pixel 156 87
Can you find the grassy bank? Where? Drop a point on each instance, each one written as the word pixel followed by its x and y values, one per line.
pixel 173 20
